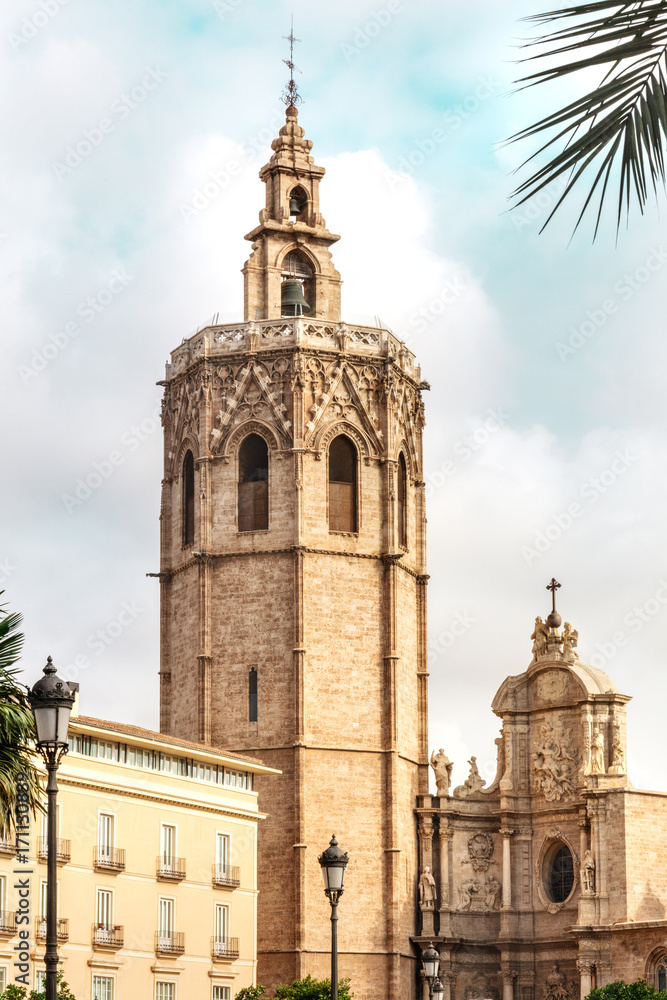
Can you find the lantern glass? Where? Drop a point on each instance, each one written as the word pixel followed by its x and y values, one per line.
pixel 334 876
pixel 46 723
pixel 62 724
pixel 431 963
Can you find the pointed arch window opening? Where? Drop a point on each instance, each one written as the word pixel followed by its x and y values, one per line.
pixel 402 502
pixel 343 465
pixel 253 485
pixel 298 202
pixel 188 477
pixel 296 291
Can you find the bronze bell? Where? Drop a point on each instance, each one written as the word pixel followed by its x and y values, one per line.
pixel 292 299
pixel 294 206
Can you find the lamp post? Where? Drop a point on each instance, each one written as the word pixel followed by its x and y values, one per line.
pixel 431 964
pixel 51 701
pixel 333 862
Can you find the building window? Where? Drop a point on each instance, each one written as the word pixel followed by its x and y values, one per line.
pixel 253 484
pixel 402 507
pixel 102 988
pixel 3 979
pixel 165 991
pixel 221 923
pixel 40 980
pixel 342 485
pixel 559 873
pixel 221 993
pixel 168 845
pixel 252 695
pixel 661 977
pixel 223 853
pixel 104 909
pixel 188 499
pixel 105 835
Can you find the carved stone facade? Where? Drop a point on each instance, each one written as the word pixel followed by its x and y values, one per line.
pixel 328 627
pixel 542 876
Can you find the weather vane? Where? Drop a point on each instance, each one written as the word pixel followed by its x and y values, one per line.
pixel 290 94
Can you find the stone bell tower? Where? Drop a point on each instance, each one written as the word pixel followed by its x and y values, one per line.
pixel 293 583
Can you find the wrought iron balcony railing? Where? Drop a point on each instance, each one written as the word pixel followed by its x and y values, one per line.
pixel 8 844
pixel 62 929
pixel 107 936
pixel 63 850
pixel 227 876
pixel 110 859
pixel 171 868
pixel 169 942
pixel 225 948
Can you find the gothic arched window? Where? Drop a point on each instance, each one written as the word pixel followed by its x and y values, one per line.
pixel 253 484
pixel 402 502
pixel 188 487
pixel 342 485
pixel 661 976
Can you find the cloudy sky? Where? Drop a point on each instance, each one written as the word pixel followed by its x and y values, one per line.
pixel 545 445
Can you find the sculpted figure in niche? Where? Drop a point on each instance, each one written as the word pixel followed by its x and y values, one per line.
pixel 466 891
pixel 539 637
pixel 554 762
pixel 597 752
pixel 588 874
pixel 570 641
pixel 442 768
pixel 492 889
pixel 617 754
pixel 427 890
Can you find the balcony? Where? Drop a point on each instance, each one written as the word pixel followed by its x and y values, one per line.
pixel 226 876
pixel 225 948
pixel 62 929
pixel 109 859
pixel 63 850
pixel 8 844
pixel 169 943
pixel 170 868
pixel 7 923
pixel 107 936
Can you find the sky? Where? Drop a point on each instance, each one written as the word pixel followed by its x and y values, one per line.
pixel 133 137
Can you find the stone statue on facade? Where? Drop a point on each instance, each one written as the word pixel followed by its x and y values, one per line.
pixel 557 986
pixel 617 765
pixel 427 890
pixel 442 768
pixel 597 752
pixel 570 639
pixel 539 637
pixel 492 890
pixel 588 874
pixel 467 890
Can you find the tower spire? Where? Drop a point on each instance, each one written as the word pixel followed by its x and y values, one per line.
pixel 290 94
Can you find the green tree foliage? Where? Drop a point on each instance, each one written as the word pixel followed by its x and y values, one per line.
pixel 17 726
pixel 639 990
pixel 301 989
pixel 617 131
pixel 14 992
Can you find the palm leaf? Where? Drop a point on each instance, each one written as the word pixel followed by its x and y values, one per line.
pixel 618 129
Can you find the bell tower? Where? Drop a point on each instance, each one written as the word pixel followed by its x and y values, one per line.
pixel 293 581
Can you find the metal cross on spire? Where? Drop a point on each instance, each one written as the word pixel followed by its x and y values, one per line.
pixel 290 94
pixel 553 587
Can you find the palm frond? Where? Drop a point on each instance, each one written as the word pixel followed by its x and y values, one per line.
pixel 618 129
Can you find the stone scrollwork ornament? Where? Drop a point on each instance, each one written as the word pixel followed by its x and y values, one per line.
pixel 557 986
pixel 481 989
pixel 480 852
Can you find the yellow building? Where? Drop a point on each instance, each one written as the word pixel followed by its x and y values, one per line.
pixel 157 886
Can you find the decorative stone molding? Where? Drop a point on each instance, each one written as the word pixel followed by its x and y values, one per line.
pixel 481 988
pixel 480 852
pixel 554 836
pixel 554 762
pixel 558 987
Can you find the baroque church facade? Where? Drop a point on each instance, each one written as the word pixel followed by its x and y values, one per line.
pixel 293 628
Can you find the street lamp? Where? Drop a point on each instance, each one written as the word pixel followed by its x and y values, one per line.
pixel 51 701
pixel 431 964
pixel 333 862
